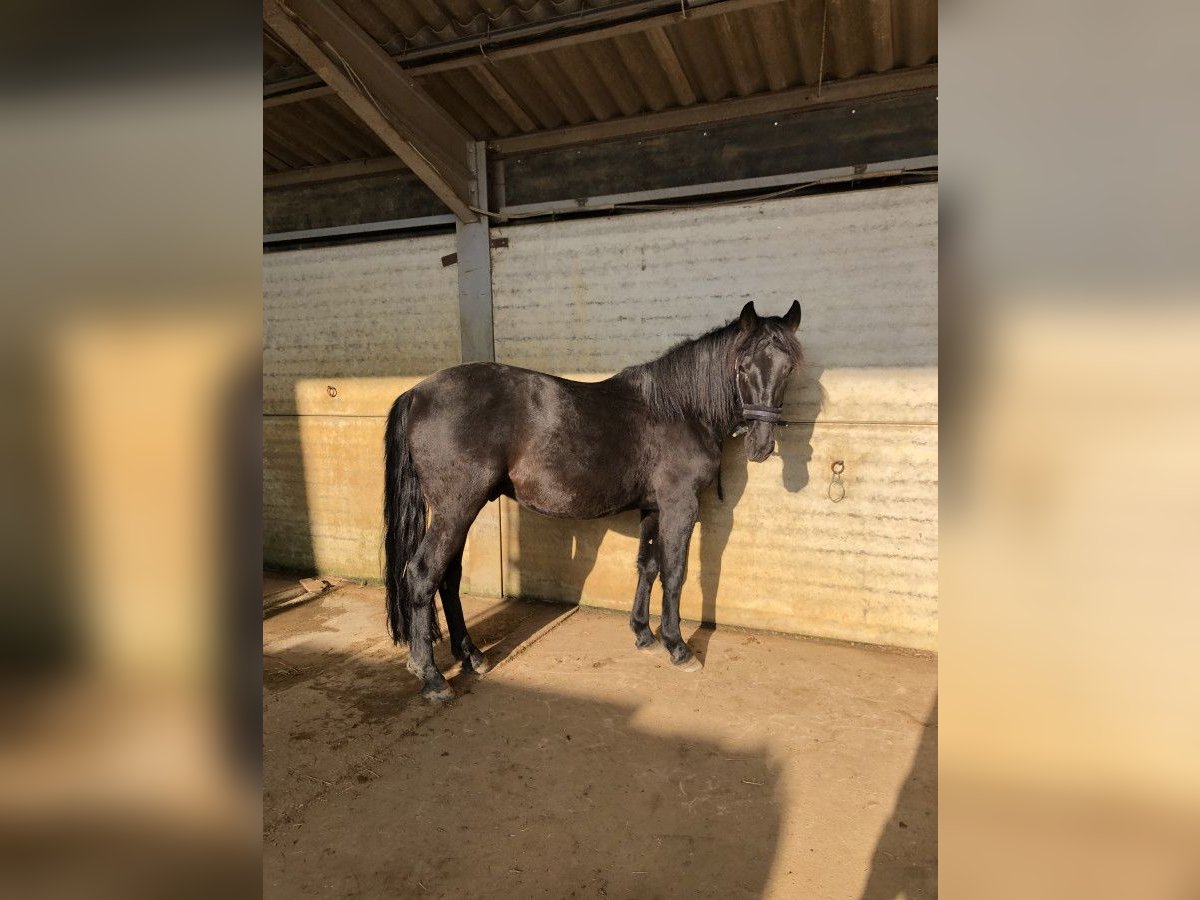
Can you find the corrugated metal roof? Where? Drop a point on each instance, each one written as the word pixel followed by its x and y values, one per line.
pixel 755 48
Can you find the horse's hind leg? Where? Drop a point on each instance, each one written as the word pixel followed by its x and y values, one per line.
pixel 647 563
pixel 460 641
pixel 442 542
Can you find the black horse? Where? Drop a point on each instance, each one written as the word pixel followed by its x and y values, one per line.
pixel 648 438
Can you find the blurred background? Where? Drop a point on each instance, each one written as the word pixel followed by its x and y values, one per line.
pixel 130 147
pixel 130 450
pixel 1070 386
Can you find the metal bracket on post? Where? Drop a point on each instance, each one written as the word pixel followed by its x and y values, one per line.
pixel 475 269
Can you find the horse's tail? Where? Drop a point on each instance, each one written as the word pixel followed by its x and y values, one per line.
pixel 404 518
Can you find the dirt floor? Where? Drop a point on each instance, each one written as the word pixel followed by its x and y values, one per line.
pixel 581 768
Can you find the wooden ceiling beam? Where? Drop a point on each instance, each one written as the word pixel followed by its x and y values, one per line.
pixel 381 95
pixel 334 172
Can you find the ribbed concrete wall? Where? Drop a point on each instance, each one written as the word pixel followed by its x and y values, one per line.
pixel 592 296
pixel 588 297
pixel 383 309
pixel 345 330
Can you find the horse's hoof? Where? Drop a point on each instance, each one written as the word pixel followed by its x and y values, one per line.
pixel 438 695
pixel 646 645
pixel 478 663
pixel 691 664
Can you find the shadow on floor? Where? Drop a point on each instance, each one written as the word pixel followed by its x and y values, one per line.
pixel 500 631
pixel 507 792
pixel 905 860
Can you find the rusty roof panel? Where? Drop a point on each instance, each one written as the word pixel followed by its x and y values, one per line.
pixel 648 79
pixel 444 95
pixel 608 65
pixel 516 77
pixel 768 26
pixel 427 23
pixel 696 46
pixel 745 49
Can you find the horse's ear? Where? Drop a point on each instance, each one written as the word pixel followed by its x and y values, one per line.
pixel 792 318
pixel 748 318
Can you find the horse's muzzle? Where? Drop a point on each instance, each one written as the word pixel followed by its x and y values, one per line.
pixel 760 441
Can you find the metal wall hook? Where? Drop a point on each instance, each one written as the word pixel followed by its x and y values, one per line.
pixel 837 488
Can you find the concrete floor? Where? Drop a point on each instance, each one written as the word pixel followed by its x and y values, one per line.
pixel 581 768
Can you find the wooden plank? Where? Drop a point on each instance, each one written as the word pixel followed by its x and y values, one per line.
pixel 890 128
pixel 382 78
pixel 412 127
pixel 351 204
pixel 291 87
pixel 297 96
pixel 840 174
pixel 812 97
pixel 352 169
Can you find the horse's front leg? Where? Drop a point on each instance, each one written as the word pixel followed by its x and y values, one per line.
pixel 647 564
pixel 675 525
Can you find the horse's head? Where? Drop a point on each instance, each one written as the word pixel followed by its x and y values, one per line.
pixel 765 354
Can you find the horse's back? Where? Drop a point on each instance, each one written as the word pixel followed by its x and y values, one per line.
pixel 564 448
pixel 473 409
pixel 497 392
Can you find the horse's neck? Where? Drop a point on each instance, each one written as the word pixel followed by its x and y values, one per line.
pixel 682 377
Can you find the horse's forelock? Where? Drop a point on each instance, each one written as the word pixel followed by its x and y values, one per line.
pixel 768 331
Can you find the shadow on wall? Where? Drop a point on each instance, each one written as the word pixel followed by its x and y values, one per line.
pixel 556 557
pixel 506 793
pixel 905 860
pixel 287 535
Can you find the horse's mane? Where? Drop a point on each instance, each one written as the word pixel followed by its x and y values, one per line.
pixel 694 379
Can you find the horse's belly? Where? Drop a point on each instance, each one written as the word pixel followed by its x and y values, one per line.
pixel 584 497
